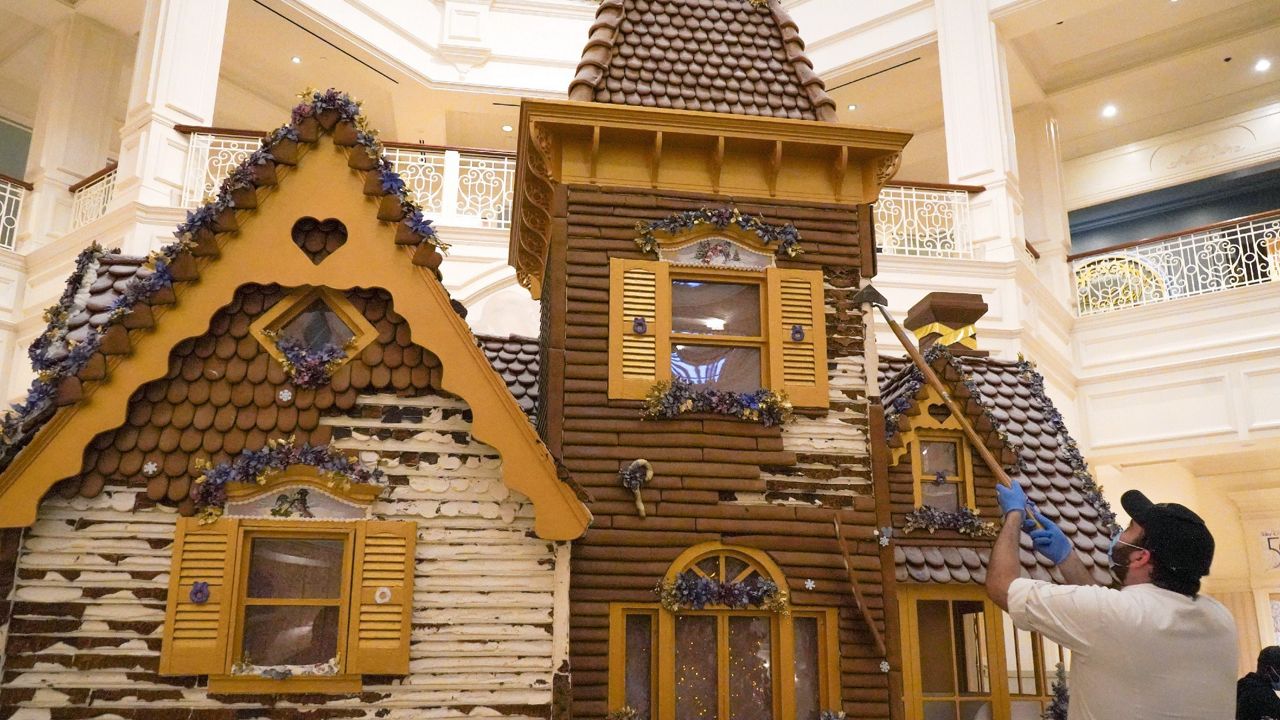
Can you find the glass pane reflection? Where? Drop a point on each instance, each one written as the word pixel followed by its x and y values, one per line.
pixel 714 308
pixel 722 368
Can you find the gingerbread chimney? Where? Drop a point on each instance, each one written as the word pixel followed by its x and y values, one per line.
pixel 949 319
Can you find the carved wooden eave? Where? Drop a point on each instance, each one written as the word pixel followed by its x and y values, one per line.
pixel 740 156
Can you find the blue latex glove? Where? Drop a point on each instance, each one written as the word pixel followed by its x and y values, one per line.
pixel 1011 498
pixel 1049 540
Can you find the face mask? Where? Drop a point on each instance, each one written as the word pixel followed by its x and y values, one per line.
pixel 1119 568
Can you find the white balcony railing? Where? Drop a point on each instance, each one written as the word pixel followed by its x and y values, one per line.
pixel 12 194
pixel 91 196
pixel 924 221
pixel 1210 259
pixel 210 159
pixel 458 187
pixel 469 188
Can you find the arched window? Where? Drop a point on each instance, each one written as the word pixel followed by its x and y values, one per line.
pixel 723 643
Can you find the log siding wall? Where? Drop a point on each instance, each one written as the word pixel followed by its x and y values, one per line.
pixel 715 479
pixel 92 573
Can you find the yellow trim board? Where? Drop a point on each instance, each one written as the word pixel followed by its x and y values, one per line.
pixel 322 185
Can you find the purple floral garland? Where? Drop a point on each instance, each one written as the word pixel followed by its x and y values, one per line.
pixel 257 466
pixel 786 236
pixel 965 521
pixel 667 400
pixel 55 361
pixel 691 591
pixel 309 368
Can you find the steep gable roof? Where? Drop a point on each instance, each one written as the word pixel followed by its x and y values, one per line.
pixel 122 317
pixel 728 56
pixel 1006 402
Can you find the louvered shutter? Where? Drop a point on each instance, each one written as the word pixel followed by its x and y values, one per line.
pixel 638 288
pixel 381 598
pixel 197 634
pixel 798 366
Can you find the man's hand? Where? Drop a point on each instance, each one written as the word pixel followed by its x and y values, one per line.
pixel 1049 540
pixel 1012 499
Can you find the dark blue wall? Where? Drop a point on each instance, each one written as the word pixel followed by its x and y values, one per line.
pixel 15 142
pixel 1222 197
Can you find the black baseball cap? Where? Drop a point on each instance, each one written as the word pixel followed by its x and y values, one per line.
pixel 1176 536
pixel 1269 658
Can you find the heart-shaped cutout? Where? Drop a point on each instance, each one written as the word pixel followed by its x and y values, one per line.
pixel 319 238
pixel 939 412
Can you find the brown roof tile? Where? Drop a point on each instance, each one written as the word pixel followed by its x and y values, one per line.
pixel 1047 463
pixel 515 359
pixel 726 56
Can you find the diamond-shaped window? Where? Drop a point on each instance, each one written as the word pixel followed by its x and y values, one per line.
pixel 317 319
pixel 317 326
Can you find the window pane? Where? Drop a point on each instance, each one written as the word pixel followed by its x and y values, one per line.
pixel 290 635
pixel 639 677
pixel 750 663
pixel 733 567
pixel 290 568
pixel 724 368
pixel 1025 710
pixel 317 326
pixel 710 566
pixel 940 710
pixel 975 710
pixel 969 624
pixel 808 693
pixel 937 663
pixel 938 455
pixel 943 496
pixel 696 668
pixel 715 308
pixel 1019 654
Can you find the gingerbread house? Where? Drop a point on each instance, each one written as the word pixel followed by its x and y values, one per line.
pixel 695 227
pixel 268 471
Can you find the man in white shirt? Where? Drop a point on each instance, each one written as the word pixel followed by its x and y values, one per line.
pixel 1155 649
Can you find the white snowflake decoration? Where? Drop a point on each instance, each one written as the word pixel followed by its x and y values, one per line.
pixel 884 541
pixel 151 468
pixel 884 666
pixel 810 584
pixel 285 395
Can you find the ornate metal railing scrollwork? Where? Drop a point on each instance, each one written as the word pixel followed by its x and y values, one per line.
pixel 923 222
pixel 1206 260
pixel 210 159
pixel 89 201
pixel 11 197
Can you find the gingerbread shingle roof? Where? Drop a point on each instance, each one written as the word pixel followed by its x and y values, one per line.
pixel 726 56
pixel 1007 402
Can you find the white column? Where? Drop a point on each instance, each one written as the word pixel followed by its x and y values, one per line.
pixel 1045 216
pixel 979 123
pixel 72 135
pixel 175 82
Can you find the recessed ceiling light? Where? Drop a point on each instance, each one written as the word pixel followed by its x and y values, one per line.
pixel 852 106
pixel 507 128
pixel 1262 65
pixel 1109 111
pixel 296 59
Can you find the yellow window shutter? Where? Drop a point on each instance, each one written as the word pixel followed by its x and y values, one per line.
pixel 381 598
pixel 638 289
pixel 798 336
pixel 197 635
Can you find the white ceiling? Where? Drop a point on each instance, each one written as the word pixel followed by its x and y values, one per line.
pixel 1161 62
pixel 259 82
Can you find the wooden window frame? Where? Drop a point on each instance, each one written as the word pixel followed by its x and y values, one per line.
pixel 249 530
pixel 299 299
pixel 761 342
pixel 964 464
pixel 909 594
pixel 662 672
pixel 788 297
